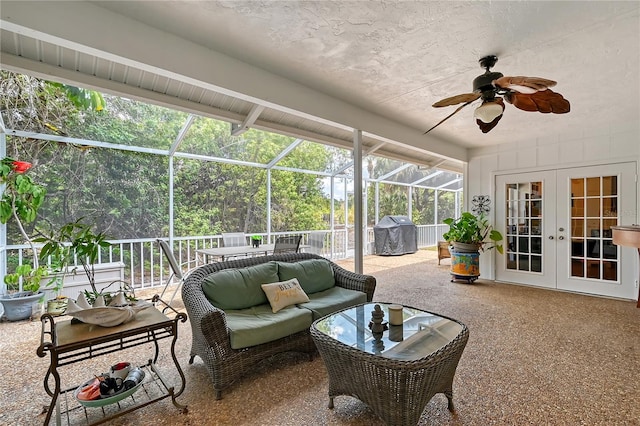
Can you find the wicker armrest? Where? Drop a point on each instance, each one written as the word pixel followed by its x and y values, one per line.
pixel 208 323
pixel 213 326
pixel 353 281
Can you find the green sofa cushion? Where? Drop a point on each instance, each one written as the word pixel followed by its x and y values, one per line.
pixel 240 288
pixel 258 324
pixel 314 275
pixel 332 300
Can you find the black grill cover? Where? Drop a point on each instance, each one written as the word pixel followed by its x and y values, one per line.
pixel 395 235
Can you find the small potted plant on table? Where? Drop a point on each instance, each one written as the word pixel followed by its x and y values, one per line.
pixel 256 240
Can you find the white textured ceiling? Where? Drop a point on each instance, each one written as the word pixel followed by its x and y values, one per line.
pixel 395 59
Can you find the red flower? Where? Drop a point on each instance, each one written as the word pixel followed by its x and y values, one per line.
pixel 20 166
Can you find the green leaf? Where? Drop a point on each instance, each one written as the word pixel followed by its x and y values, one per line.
pixel 5 210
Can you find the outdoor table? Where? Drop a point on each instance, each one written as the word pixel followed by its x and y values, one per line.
pixel 397 373
pixel 224 252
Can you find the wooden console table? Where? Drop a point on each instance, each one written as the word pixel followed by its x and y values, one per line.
pixel 69 343
pixel 628 236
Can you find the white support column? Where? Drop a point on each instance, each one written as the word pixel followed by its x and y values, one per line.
pixel 174 147
pixel 357 197
pixel 268 205
pixel 171 201
pixel 332 216
pixel 410 204
pixel 3 226
pixel 365 223
pixel 377 196
pixel 435 207
pixel 345 241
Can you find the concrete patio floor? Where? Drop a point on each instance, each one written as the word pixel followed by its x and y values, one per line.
pixel 534 357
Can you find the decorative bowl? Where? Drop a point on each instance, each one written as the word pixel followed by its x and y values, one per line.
pixel 106 400
pixel 119 311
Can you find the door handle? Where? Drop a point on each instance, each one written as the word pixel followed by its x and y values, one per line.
pixel 561 237
pixel 551 237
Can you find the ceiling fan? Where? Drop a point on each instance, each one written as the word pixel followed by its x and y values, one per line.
pixel 525 93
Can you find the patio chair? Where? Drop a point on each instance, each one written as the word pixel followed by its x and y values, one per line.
pixel 175 268
pixel 316 242
pixel 289 244
pixel 234 239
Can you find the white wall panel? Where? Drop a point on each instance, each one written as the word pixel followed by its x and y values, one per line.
pixel 527 157
pixel 552 152
pixel 548 154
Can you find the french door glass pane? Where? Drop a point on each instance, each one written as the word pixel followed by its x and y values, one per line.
pixel 524 226
pixel 594 210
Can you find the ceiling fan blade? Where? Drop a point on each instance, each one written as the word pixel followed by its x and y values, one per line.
pixel 448 116
pixel 458 99
pixel 546 101
pixel 523 84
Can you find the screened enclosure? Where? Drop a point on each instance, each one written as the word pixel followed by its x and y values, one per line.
pixel 139 172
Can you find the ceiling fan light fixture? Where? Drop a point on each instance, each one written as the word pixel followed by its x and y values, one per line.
pixel 488 111
pixel 525 93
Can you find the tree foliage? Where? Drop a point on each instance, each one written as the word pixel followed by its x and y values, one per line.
pixel 126 194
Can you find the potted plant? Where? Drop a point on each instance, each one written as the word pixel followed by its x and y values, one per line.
pixel 21 199
pixel 57 263
pixel 467 236
pixel 472 232
pixel 74 240
pixel 256 240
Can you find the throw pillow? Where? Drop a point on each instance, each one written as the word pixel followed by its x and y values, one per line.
pixel 285 293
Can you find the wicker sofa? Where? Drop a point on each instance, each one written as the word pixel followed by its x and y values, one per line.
pixel 224 338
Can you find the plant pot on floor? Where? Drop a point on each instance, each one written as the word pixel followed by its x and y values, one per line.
pixel 465 261
pixel 19 306
pixel 465 266
pixel 57 306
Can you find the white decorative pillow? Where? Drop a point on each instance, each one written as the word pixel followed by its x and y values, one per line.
pixel 285 293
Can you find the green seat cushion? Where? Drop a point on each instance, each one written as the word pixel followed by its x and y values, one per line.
pixel 314 275
pixel 258 324
pixel 240 288
pixel 332 300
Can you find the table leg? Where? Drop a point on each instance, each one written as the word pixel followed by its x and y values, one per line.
pixel 449 395
pixel 177 364
pixel 52 371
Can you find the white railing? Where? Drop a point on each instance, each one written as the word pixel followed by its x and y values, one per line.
pixel 146 266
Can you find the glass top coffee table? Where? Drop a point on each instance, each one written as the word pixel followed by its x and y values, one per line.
pixel 397 373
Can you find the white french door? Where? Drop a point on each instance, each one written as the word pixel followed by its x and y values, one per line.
pixel 557 228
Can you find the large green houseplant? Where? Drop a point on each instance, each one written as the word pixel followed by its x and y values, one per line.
pixel 467 236
pixel 474 230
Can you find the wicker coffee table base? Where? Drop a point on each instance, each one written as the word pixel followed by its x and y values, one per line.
pixel 397 391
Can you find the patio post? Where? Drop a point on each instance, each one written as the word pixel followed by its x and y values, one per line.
pixel 357 198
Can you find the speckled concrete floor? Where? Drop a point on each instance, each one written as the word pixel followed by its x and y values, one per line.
pixel 534 357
